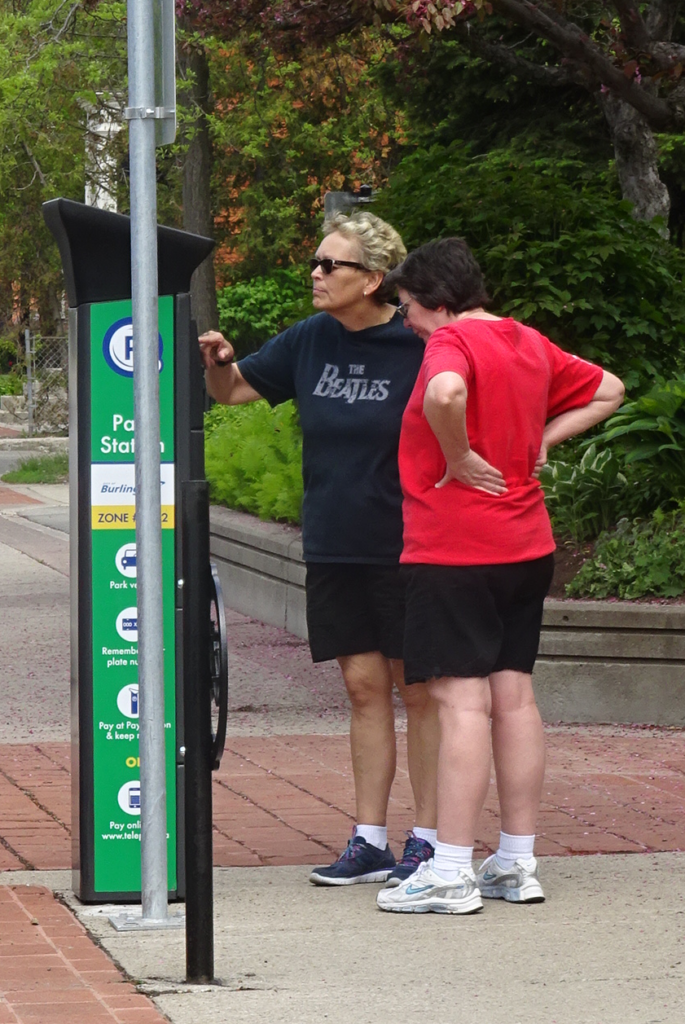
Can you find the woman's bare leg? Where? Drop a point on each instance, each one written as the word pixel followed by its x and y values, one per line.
pixel 464 758
pixel 423 744
pixel 518 746
pixel 369 683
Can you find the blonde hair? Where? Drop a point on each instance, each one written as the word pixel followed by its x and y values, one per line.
pixel 380 246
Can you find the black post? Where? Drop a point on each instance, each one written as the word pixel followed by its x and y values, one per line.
pixel 197 733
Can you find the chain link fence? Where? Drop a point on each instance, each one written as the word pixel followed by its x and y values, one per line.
pixel 34 395
pixel 47 380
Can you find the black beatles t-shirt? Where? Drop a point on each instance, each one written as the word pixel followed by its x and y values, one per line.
pixel 351 388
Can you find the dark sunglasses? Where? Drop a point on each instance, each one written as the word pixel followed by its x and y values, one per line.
pixel 328 265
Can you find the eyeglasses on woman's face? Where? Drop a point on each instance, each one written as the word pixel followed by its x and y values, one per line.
pixel 328 265
pixel 403 308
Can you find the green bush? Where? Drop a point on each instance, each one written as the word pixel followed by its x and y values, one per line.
pixel 585 498
pixel 559 250
pixel 251 312
pixel 253 459
pixel 8 357
pixel 642 558
pixel 640 466
pixel 11 384
pixel 650 434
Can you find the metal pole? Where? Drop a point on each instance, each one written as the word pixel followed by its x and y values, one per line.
pixel 197 734
pixel 144 284
pixel 29 380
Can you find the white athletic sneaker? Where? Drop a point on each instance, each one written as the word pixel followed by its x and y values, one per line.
pixel 425 891
pixel 517 885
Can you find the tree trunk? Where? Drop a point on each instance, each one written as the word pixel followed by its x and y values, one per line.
pixel 197 168
pixel 636 160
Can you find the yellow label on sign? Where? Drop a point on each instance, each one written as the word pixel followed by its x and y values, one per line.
pixel 123 517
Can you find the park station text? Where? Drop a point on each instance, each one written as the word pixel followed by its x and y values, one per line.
pixel 118 442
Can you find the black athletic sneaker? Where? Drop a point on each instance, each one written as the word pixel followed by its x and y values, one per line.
pixel 416 852
pixel 359 862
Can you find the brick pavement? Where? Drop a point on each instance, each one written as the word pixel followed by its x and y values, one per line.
pixel 51 971
pixel 289 799
pixel 8 496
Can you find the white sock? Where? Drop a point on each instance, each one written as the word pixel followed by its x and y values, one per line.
pixel 513 848
pixel 376 835
pixel 449 860
pixel 429 835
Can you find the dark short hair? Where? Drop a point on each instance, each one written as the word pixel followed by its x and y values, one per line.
pixel 443 272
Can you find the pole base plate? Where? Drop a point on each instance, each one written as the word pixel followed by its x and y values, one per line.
pixel 135 922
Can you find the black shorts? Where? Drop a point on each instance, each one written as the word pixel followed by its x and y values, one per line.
pixel 354 609
pixel 471 620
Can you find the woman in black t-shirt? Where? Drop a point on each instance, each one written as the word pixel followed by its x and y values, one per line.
pixel 352 367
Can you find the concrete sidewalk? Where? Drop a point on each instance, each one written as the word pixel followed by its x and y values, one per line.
pixel 606 947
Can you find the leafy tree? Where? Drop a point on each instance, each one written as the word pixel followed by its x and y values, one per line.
pixel 196 102
pixel 627 55
pixel 58 62
pixel 447 94
pixel 286 130
pixel 557 247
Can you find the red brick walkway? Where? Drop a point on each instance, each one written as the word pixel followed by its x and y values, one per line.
pixel 51 972
pixel 8 496
pixel 289 799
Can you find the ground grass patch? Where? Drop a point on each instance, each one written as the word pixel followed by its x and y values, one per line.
pixel 40 469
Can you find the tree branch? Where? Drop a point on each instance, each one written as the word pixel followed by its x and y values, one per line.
pixel 634 28
pixel 661 18
pixel 505 57
pixel 676 102
pixel 34 164
pixel 67 21
pixel 667 55
pixel 575 44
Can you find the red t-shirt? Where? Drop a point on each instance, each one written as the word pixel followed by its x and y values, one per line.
pixel 516 380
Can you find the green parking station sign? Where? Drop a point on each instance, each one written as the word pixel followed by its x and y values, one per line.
pixel 95 247
pixel 116 760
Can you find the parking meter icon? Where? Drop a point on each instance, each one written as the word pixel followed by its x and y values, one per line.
pixel 127 701
pixel 128 797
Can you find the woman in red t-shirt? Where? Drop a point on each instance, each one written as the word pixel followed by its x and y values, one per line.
pixel 491 397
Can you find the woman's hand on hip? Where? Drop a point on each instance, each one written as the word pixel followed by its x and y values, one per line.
pixel 541 460
pixel 474 471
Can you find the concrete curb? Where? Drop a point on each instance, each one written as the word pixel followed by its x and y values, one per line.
pixel 43 442
pixel 261 568
pixel 600 661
